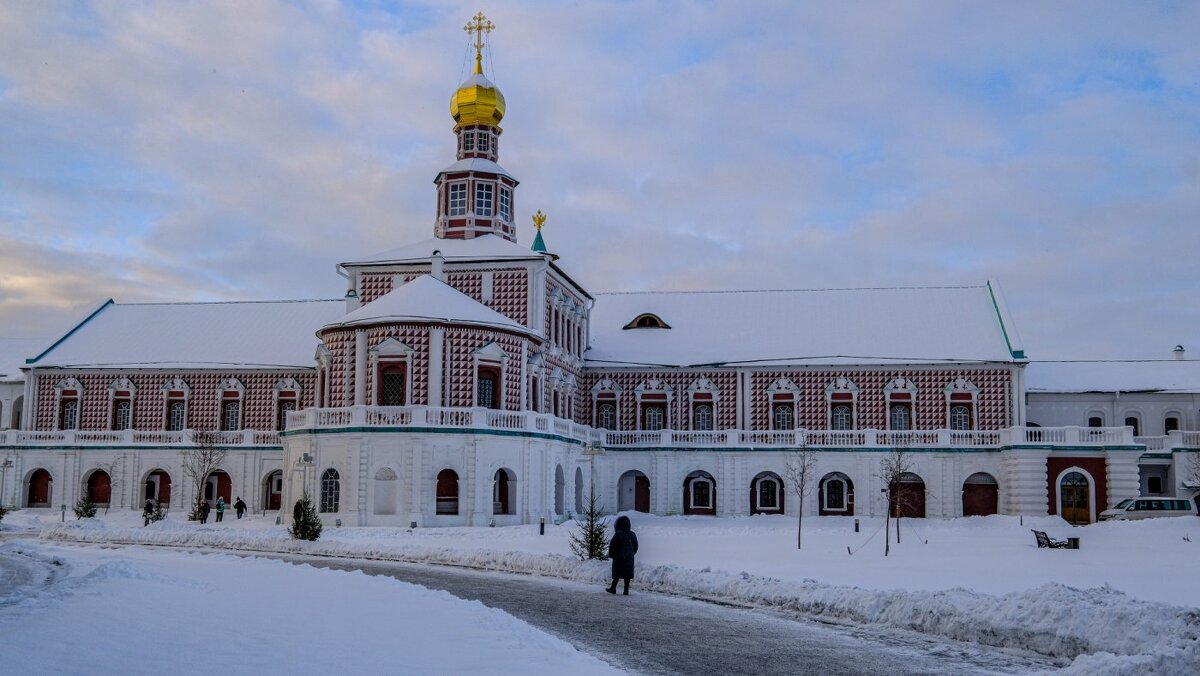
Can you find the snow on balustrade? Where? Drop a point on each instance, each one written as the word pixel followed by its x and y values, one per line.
pixel 505 420
pixel 389 415
pixel 1190 439
pixel 835 438
pixel 269 438
pixel 770 438
pixel 700 438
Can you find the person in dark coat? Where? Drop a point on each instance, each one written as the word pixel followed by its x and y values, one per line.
pixel 204 508
pixel 148 511
pixel 621 549
pixel 239 507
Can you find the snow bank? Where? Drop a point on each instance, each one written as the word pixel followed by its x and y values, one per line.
pixel 1105 628
pixel 146 612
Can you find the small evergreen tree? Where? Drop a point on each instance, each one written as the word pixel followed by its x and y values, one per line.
pixel 3 511
pixel 306 525
pixel 85 508
pixel 591 540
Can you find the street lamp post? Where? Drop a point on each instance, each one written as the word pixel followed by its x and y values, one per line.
pixel 4 477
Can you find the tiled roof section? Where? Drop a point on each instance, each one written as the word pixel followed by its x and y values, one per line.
pixel 424 300
pixel 1167 375
pixel 812 326
pixel 249 335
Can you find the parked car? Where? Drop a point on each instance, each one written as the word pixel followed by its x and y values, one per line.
pixel 1148 508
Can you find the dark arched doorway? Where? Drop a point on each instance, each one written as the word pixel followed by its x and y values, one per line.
pixel 633 492
pixel 39 492
pixel 99 488
pixel 907 496
pixel 980 495
pixel 447 492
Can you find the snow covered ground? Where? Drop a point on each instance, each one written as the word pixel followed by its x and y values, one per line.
pixel 1127 592
pixel 137 611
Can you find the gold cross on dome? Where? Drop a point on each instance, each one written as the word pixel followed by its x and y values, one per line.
pixel 479 25
pixel 539 219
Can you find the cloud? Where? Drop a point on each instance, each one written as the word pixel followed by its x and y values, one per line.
pixel 230 150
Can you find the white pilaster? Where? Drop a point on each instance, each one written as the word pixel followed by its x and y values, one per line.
pixel 1122 476
pixel 437 349
pixel 1025 486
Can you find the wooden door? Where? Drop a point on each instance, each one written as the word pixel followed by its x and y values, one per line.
pixel 1074 499
pixel 39 489
pixel 641 493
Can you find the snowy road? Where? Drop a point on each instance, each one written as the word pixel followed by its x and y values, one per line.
pixel 658 634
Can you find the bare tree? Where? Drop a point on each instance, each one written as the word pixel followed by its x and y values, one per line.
pixel 116 478
pixel 199 462
pixel 801 465
pixel 892 468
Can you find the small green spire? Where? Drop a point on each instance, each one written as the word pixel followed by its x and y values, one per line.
pixel 539 245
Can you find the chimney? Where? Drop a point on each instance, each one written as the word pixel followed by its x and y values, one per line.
pixel 352 300
pixel 436 264
pixel 1180 353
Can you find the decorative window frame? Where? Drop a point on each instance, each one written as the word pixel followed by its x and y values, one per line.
pixel 490 356
pixel 605 391
pixel 652 321
pixel 323 498
pixel 838 477
pixel 176 384
pixel 450 202
pixel 288 384
pixel 536 366
pixel 388 353
pixel 69 384
pixel 231 385
pixel 120 385
pixel 782 391
pixel 702 391
pixel 476 199
pixel 841 386
pixel 712 491
pixel 1136 414
pixel 900 391
pixel 1091 491
pixel 962 391
pixel 504 203
pixel 656 392
pixel 1094 413
pixel 768 478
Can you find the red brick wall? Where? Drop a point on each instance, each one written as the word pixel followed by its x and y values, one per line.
pixel 1097 467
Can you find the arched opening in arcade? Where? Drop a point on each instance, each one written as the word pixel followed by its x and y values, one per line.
pixel 157 487
pixel 218 485
pixel 633 492
pixel 560 489
pixel 980 495
pixel 835 495
pixel 446 493
pixel 766 494
pixel 700 494
pixel 272 491
pixel 907 496
pixel 97 486
pixel 578 490
pixel 39 489
pixel 504 487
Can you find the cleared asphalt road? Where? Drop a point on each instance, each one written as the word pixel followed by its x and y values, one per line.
pixel 659 634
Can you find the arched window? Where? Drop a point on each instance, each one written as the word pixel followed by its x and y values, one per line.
pixel 606 415
pixel 766 494
pixel 653 416
pixel 702 416
pixel 1095 421
pixel 1170 424
pixel 900 417
pixel 842 417
pixel 503 492
pixel 901 394
pixel 176 414
pixel 960 417
pixel 835 494
pixel 231 414
pixel 447 492
pixel 699 489
pixel 122 414
pixel 1132 421
pixel 331 488
pixel 646 320
pixel 783 416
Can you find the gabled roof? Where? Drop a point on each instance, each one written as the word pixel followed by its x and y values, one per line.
pixel 1166 375
pixel 817 326
pixel 485 248
pixel 426 300
pixel 232 335
pixel 14 352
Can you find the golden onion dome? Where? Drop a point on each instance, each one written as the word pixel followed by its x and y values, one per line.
pixel 477 101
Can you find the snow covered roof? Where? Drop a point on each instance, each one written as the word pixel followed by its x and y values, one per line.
pixel 425 300
pixel 1168 375
pixel 14 352
pixel 485 247
pixel 817 326
pixel 233 335
pixel 477 164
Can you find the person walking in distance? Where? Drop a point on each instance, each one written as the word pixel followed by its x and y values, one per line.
pixel 621 549
pixel 220 508
pixel 239 507
pixel 204 511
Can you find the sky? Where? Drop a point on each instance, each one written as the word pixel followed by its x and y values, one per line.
pixel 175 151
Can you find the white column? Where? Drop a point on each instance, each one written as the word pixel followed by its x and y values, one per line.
pixel 1123 477
pixel 1024 488
pixel 437 338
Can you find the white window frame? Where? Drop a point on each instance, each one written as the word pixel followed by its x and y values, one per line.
pixel 841 385
pixel 236 386
pixel 712 415
pixel 758 494
pixel 897 405
pixel 901 385
pixel 962 386
pixel 485 196
pixel 776 408
pixel 483 143
pixel 116 410
pixel 969 424
pixel 468 141
pixel 505 204
pixel 456 205
pixel 692 492
pixel 183 423
pixel 825 495
pixel 62 386
pixel 599 420
pixel 833 406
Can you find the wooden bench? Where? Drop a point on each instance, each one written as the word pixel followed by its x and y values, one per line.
pixel 1044 541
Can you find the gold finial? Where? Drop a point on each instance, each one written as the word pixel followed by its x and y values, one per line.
pixel 479 25
pixel 538 220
